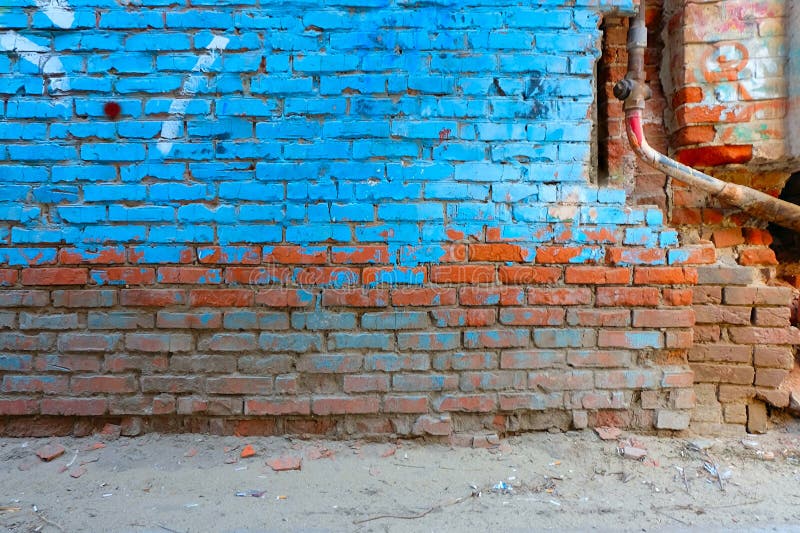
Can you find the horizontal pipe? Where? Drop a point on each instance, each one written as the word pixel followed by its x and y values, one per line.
pixel 751 201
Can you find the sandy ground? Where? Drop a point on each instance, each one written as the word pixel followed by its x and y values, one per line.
pixel 566 482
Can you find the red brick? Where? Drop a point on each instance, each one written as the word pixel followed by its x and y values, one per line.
pixel 757 236
pixel 677 378
pixel 345 405
pixel 770 377
pixel 723 314
pixel 8 277
pixel 573 296
pixel 285 297
pixel 55 276
pixel 424 297
pixel 405 404
pixel 221 298
pixel 677 339
pixel 531 401
pixel 108 255
pixel 720 353
pixel 710 373
pixel 765 335
pixel 296 255
pixel 695 135
pixel 258 275
pixel 678 297
pixel 527 359
pixel 261 428
pixel 17 407
pixel 597 275
pixel 74 406
pixel 531 316
pixel 560 254
pixel 152 297
pixel 103 384
pixel 687 95
pixel 124 276
pixel 188 275
pixel 473 403
pixel 757 256
pixel 781 296
pixel 499 253
pixel 240 385
pixel 245 255
pixel 665 276
pixel 491 296
pixel 663 318
pixel 635 256
pixel 471 274
pixel 691 216
pixel 499 338
pixel 355 298
pixel 599 358
pixel 774 357
pixel 366 383
pixel 198 320
pixel 464 317
pixel 712 156
pixel 727 237
pixel 627 296
pixel 327 276
pixel 524 275
pixel 360 254
pixel 277 406
pixel 599 317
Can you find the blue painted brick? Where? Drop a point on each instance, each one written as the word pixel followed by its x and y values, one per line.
pixel 169 192
pixel 200 213
pixel 395 321
pixel 80 214
pixel 155 41
pixel 28 256
pixel 111 234
pixel 196 106
pixel 179 234
pixel 249 233
pixel 110 193
pixel 157 254
pixel 120 213
pixel 113 152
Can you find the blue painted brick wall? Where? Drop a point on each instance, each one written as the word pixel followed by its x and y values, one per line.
pixel 318 121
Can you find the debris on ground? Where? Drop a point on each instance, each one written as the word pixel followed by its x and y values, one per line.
pixel 48 452
pixel 247 451
pixel 286 462
pixel 632 449
pixel 77 472
pixel 700 445
pixel 313 454
pixel 608 432
pixel 251 493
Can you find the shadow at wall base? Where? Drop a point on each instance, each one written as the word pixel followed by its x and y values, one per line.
pixel 450 428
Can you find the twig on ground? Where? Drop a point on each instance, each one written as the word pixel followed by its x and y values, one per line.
pixel 685 523
pixel 414 516
pixel 165 528
pixel 49 522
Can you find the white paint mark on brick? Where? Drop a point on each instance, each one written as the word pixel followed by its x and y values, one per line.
pixel 31 52
pixel 171 128
pixel 58 11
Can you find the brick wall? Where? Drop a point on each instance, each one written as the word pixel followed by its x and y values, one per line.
pixel 705 115
pixel 346 217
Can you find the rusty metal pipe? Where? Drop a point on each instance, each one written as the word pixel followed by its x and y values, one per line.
pixel 633 91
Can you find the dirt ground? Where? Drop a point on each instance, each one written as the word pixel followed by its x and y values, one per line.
pixel 566 482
